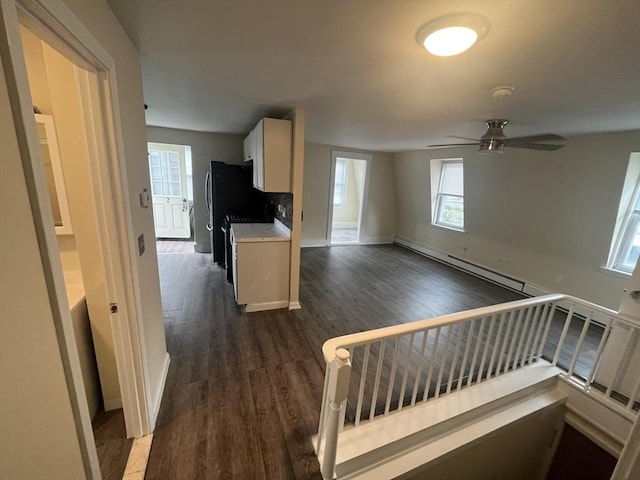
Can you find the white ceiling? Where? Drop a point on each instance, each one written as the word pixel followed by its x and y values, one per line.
pixel 356 69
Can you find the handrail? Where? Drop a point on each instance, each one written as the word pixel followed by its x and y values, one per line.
pixel 433 357
pixel 356 339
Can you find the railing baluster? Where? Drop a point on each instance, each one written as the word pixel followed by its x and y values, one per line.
pixel 475 350
pixel 376 385
pixel 596 361
pixel 425 395
pixel 392 378
pixel 583 334
pixel 563 335
pixel 516 331
pixel 486 346
pixel 416 383
pixel 407 364
pixel 496 347
pixel 523 333
pixel 443 362
pixel 539 329
pixel 363 381
pixel 634 394
pixel 532 328
pixel 463 365
pixel 623 358
pixel 505 342
pixel 454 361
pixel 547 327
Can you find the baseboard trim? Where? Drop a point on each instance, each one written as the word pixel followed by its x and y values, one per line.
pixel 314 242
pixel 112 404
pixel 294 306
pixel 464 265
pixel 258 307
pixel 376 240
pixel 339 225
pixel 520 286
pixel 157 398
pixel 202 248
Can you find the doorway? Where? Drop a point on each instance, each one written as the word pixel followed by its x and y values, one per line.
pixel 90 234
pixel 347 197
pixel 171 176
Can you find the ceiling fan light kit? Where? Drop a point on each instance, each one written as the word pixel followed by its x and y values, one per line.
pixel 452 34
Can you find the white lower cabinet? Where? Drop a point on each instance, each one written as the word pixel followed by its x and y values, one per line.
pixel 261 274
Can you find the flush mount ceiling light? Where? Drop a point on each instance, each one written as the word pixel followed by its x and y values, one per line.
pixel 452 34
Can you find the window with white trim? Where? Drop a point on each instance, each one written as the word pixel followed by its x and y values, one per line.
pixel 625 247
pixel 340 183
pixel 448 201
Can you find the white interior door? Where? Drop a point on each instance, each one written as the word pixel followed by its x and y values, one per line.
pixel 167 167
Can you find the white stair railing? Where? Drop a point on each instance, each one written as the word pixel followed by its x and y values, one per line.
pixel 389 369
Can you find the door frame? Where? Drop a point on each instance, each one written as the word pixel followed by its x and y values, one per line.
pixel 368 158
pixel 58 25
pixel 181 150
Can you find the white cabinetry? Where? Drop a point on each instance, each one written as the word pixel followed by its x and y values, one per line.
pixel 260 269
pixel 268 146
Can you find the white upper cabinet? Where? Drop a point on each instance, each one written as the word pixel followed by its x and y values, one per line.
pixel 269 147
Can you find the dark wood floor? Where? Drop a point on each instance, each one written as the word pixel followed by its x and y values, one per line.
pixel 243 392
pixel 112 444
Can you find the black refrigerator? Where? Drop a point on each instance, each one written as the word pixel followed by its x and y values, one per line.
pixel 229 191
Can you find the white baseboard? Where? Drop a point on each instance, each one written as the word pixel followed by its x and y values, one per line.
pixel 202 247
pixel 157 397
pixel 258 307
pixel 477 270
pixel 112 404
pixel 294 306
pixel 522 286
pixel 339 225
pixel 376 240
pixel 313 242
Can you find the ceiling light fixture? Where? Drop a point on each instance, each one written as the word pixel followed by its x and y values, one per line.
pixel 452 34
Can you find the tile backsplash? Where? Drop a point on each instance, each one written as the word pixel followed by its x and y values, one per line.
pixel 286 200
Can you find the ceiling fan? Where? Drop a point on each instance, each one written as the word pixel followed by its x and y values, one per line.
pixel 494 140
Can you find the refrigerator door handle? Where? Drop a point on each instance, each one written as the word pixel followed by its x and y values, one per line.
pixel 207 191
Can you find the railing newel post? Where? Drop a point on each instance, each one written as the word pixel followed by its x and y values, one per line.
pixel 339 371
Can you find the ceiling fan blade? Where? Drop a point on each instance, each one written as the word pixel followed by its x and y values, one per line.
pixel 536 146
pixel 546 137
pixel 452 145
pixel 463 138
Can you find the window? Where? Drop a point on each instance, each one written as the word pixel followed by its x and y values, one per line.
pixel 340 183
pixel 625 247
pixel 448 204
pixel 165 173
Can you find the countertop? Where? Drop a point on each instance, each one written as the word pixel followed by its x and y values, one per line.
pixel 260 232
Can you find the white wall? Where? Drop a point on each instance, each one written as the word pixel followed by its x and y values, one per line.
pixel 549 214
pixel 205 148
pixel 38 438
pixel 379 212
